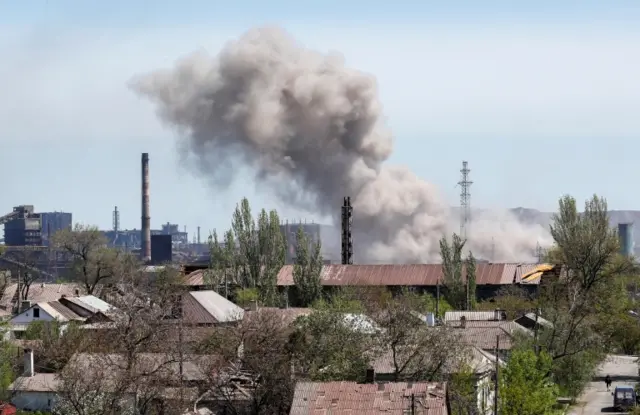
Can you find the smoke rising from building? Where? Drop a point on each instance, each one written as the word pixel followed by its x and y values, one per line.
pixel 312 130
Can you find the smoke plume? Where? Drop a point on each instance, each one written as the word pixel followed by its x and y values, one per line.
pixel 312 130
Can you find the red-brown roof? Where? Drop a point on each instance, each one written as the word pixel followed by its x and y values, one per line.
pixel 349 398
pixel 406 275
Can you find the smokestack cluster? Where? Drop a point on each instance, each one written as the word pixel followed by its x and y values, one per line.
pixel 312 130
pixel 146 217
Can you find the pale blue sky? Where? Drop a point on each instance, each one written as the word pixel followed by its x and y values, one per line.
pixel 542 99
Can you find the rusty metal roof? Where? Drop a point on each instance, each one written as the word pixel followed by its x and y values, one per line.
pixel 350 398
pixel 409 275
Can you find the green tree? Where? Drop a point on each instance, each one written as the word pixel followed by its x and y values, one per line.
pixel 452 268
pixel 251 255
pixel 327 346
pixel 462 392
pixel 577 302
pixel 307 269
pixel 8 364
pixel 525 386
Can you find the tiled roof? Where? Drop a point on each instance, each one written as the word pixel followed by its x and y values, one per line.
pixel 350 398
pixel 486 338
pixel 411 275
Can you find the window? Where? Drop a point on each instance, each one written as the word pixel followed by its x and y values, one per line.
pixel 36 313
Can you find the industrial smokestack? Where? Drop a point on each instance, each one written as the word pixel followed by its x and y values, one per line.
pixel 146 218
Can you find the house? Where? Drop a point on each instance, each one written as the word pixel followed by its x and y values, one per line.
pixel 63 310
pixel 157 378
pixel 209 308
pixel 481 364
pixel 393 398
pixel 34 391
pixel 48 312
pixel 12 298
pixel 533 321
pixel 489 339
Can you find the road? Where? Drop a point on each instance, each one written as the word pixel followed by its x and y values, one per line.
pixel 596 400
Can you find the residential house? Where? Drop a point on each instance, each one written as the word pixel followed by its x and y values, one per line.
pixel 159 378
pixel 481 364
pixel 190 321
pixel 12 298
pixel 533 321
pixel 49 312
pixel 34 391
pixel 63 310
pixel 394 398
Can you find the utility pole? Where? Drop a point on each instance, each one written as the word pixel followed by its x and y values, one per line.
pixel 496 386
pixel 438 298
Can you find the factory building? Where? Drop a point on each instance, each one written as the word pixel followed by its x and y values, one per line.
pixel 52 222
pixel 24 227
pixel 328 236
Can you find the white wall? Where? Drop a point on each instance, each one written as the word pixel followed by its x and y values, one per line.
pixel 26 317
pixel 485 394
pixel 34 401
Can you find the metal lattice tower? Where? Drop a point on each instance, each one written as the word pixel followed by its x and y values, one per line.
pixel 116 219
pixel 347 241
pixel 465 199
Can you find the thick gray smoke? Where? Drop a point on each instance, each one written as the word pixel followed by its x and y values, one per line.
pixel 312 129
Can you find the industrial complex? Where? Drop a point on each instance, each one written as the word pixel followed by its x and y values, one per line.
pixel 26 230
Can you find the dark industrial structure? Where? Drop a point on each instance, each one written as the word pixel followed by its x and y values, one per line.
pixel 24 227
pixel 161 249
pixel 52 222
pixel 347 238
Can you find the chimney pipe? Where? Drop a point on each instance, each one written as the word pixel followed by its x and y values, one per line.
pixel 28 363
pixel 146 218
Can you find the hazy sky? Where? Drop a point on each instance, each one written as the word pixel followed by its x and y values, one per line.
pixel 541 100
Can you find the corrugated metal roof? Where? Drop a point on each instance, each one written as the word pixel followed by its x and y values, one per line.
pixel 410 275
pixel 95 303
pixel 217 306
pixel 450 316
pixel 58 311
pixel 393 398
pixel 509 326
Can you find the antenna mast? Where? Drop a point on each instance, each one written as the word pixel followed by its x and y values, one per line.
pixel 465 199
